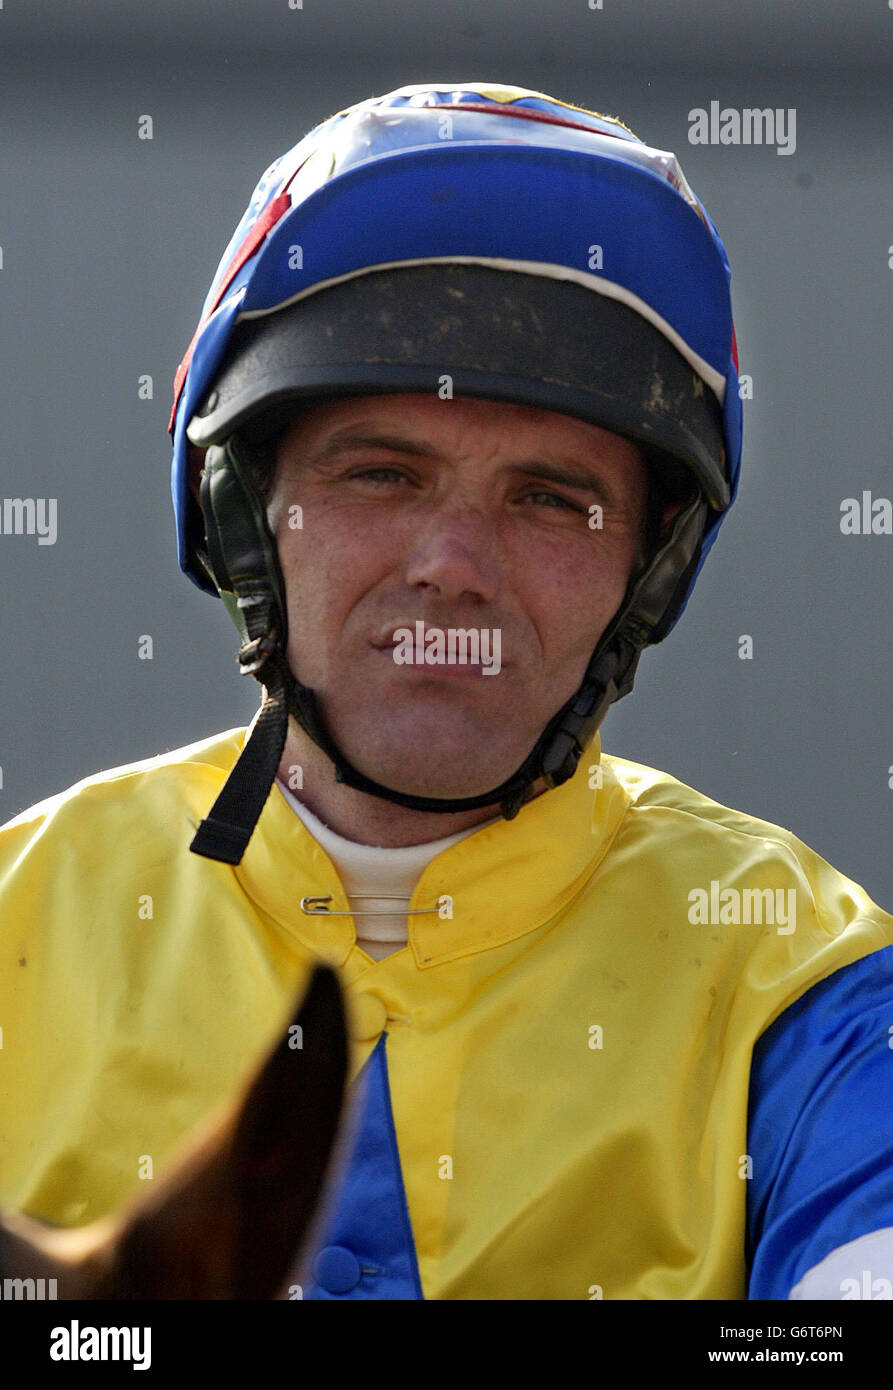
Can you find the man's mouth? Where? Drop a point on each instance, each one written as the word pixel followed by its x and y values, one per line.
pixel 452 651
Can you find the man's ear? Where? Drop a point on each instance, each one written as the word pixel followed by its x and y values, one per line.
pixel 671 510
pixel 656 528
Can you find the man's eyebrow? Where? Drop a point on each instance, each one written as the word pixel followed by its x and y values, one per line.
pixel 568 475
pixel 345 439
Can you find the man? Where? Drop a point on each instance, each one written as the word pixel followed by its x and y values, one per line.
pixel 456 431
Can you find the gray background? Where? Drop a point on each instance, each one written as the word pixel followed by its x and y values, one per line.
pixel 109 244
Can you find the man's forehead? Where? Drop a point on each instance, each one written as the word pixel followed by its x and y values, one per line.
pixel 415 422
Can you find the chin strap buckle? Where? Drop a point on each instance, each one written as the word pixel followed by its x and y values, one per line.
pixel 253 656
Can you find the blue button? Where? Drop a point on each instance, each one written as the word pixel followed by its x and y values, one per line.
pixel 336 1269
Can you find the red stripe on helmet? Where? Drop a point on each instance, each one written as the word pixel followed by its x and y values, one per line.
pixel 529 114
pixel 268 218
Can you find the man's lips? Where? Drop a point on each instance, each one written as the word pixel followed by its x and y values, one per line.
pixel 386 638
pixel 389 639
pixel 436 669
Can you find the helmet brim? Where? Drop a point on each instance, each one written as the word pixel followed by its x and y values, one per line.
pixel 496 334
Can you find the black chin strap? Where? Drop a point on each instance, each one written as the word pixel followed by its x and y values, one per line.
pixel 226 830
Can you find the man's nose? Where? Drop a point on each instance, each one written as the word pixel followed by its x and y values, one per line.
pixel 456 553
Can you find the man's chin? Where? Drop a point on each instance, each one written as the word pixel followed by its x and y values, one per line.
pixel 429 747
pixel 441 771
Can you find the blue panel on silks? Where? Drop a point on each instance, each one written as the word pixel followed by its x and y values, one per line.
pixel 367 1251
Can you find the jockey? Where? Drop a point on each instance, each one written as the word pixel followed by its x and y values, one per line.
pixel 457 429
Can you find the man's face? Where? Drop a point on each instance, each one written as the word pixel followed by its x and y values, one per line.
pixel 460 514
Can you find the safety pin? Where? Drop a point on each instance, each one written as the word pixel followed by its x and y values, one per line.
pixel 316 907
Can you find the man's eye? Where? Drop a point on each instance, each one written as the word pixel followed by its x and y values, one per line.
pixel 380 474
pixel 554 499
